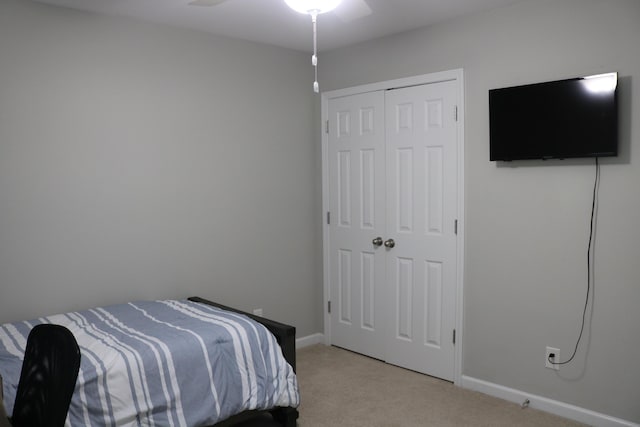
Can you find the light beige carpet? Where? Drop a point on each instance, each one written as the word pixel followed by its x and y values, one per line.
pixel 341 388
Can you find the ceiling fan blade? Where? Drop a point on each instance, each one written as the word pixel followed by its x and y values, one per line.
pixel 206 3
pixel 350 10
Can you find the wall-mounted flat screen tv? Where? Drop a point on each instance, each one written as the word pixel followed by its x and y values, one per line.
pixel 561 119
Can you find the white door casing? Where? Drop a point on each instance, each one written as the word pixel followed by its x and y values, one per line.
pixel 395 171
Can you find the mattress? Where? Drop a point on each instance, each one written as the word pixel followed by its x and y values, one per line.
pixel 162 363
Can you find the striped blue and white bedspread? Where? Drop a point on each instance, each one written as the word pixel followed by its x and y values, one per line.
pixel 162 363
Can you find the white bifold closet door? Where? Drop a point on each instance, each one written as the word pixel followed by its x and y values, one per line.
pixel 392 238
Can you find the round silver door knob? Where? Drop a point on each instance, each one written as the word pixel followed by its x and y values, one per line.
pixel 377 241
pixel 389 243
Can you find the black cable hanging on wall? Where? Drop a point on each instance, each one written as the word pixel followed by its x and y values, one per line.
pixel 594 203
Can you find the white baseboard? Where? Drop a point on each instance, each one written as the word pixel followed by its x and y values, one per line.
pixel 562 409
pixel 309 340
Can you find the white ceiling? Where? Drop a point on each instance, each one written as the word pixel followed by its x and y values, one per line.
pixel 272 22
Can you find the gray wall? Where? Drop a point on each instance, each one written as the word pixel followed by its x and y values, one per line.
pixel 140 161
pixel 527 223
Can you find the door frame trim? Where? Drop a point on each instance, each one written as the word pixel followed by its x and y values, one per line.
pixel 455 75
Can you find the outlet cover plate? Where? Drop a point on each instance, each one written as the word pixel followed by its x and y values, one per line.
pixel 556 358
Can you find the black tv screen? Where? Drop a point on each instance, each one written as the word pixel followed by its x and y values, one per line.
pixel 561 119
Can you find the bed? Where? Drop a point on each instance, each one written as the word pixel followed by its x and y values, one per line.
pixel 188 362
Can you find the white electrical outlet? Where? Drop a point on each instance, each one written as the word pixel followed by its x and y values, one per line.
pixel 257 312
pixel 548 359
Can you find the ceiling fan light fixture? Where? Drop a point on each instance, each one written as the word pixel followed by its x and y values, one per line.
pixel 312 6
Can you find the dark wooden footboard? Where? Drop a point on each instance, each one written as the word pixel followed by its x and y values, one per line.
pixel 286 337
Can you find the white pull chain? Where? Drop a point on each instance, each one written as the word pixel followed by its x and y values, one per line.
pixel 314 58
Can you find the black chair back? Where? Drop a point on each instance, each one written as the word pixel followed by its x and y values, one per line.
pixel 48 377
